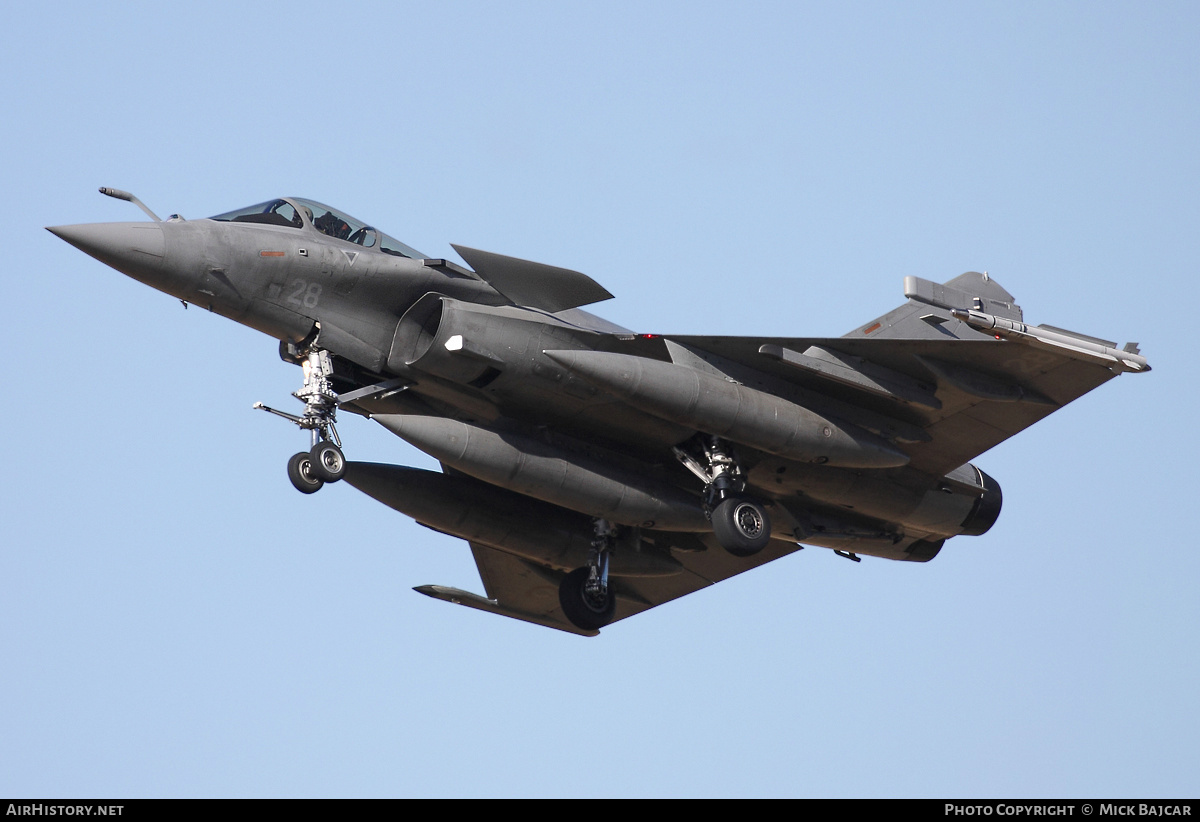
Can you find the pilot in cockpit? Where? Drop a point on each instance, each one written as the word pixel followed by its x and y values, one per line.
pixel 332 225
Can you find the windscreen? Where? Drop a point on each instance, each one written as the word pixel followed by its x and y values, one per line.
pixel 272 212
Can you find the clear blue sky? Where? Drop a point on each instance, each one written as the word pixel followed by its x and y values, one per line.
pixel 177 621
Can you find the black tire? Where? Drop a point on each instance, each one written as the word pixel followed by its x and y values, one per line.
pixel 328 461
pixel 302 474
pixel 582 610
pixel 741 526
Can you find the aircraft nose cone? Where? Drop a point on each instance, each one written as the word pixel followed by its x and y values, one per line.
pixel 128 247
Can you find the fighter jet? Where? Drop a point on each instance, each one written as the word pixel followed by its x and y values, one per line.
pixel 597 472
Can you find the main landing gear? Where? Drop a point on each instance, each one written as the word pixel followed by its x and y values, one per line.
pixel 584 594
pixel 740 522
pixel 324 462
pixel 741 525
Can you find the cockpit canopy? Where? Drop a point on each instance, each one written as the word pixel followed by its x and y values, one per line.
pixel 296 212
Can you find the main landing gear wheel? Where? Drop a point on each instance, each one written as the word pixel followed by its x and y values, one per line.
pixel 741 526
pixel 328 462
pixel 586 609
pixel 301 472
pixel 740 523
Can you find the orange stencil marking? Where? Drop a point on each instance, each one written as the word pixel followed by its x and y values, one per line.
pixel 270 253
pixel 871 328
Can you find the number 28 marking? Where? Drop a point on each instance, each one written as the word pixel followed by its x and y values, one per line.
pixel 304 293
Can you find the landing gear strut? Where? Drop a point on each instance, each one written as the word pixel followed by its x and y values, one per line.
pixel 740 522
pixel 585 596
pixel 324 462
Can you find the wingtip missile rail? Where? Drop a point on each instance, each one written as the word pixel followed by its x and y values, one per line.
pixel 1074 345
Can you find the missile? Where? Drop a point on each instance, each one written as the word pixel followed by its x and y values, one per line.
pixel 475 511
pixel 717 406
pixel 1064 342
pixel 551 474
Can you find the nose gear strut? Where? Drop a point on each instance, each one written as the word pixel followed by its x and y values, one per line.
pixel 324 462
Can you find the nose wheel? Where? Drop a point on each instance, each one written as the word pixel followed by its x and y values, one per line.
pixel 328 461
pixel 300 472
pixel 310 470
pixel 324 462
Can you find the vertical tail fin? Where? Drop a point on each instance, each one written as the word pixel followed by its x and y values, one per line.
pixel 926 315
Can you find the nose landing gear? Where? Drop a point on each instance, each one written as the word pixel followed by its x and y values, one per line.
pixel 324 462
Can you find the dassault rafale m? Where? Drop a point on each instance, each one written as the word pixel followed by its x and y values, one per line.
pixel 594 471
